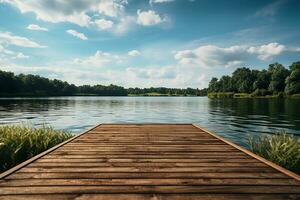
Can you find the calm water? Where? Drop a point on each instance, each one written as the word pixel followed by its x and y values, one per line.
pixel 234 119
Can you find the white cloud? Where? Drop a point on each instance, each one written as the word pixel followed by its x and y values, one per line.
pixel 134 53
pixel 36 27
pixel 153 73
pixel 148 18
pixel 20 56
pixel 99 59
pixel 77 34
pixel 160 1
pixel 110 8
pixel 268 51
pixel 166 76
pixel 103 24
pixel 5 51
pixel 209 56
pixel 9 38
pixel 125 24
pixel 76 12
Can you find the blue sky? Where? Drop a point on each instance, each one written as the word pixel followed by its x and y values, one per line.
pixel 171 43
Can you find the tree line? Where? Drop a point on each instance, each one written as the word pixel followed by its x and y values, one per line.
pixel 34 85
pixel 275 80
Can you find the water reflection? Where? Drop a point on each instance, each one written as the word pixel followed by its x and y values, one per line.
pixel 234 119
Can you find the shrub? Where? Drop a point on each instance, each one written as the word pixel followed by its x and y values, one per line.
pixel 295 96
pixel 281 148
pixel 260 93
pixel 21 142
pixel 220 95
pixel 241 95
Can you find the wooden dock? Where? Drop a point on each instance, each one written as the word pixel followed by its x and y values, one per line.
pixel 148 161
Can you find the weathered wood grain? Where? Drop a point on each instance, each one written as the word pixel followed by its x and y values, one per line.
pixel 148 161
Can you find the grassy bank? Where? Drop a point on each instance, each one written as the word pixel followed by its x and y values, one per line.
pixel 21 142
pixel 281 148
pixel 224 95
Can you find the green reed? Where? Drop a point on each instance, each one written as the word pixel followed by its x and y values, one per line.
pixel 21 142
pixel 281 148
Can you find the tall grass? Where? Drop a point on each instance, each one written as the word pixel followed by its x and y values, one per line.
pixel 21 142
pixel 281 148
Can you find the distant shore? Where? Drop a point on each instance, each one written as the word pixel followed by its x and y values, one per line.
pixel 232 95
pixel 97 95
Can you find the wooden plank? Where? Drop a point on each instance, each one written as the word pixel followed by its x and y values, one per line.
pixel 147 160
pixel 148 169
pixel 154 196
pixel 126 175
pixel 158 181
pixel 153 161
pixel 273 165
pixel 144 164
pixel 151 189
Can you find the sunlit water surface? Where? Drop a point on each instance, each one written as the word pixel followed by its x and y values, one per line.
pixel 234 119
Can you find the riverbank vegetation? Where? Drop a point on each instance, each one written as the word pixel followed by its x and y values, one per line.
pixel 277 81
pixel 281 148
pixel 21 85
pixel 21 142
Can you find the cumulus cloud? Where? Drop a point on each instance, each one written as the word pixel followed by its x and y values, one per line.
pixel 10 39
pixel 134 53
pixel 36 27
pixel 159 1
pixel 168 76
pixel 268 51
pixel 77 34
pixel 99 59
pixel 110 8
pixel 20 56
pixel 153 73
pixel 148 18
pixel 76 12
pixel 213 56
pixel 125 24
pixel 103 24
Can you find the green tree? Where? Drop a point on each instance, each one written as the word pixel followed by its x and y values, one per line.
pixel 212 86
pixel 278 75
pixel 243 79
pixel 293 80
pixel 226 84
pixel 262 80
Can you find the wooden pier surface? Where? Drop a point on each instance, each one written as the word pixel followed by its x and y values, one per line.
pixel 148 161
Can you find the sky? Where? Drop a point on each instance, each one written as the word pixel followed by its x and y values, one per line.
pixel 143 43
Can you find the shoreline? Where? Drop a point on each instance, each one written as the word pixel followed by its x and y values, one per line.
pixel 232 95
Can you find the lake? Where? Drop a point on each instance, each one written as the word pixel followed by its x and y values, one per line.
pixel 234 119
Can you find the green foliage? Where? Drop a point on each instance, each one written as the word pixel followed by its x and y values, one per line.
pixel 295 96
pixel 243 79
pixel 21 142
pixel 162 91
pixel 293 80
pixel 278 75
pixel 258 83
pixel 216 95
pixel 281 148
pixel 31 85
pixel 262 80
pixel 241 95
pixel 259 93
